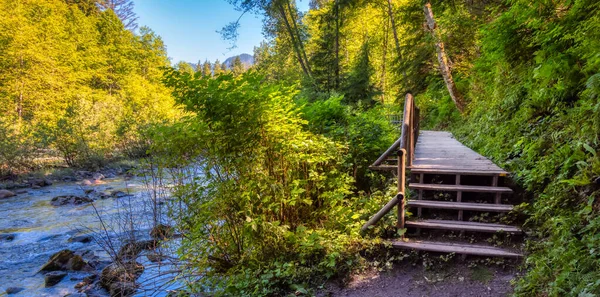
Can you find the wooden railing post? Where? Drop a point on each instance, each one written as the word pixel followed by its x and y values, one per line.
pixel 405 146
pixel 401 186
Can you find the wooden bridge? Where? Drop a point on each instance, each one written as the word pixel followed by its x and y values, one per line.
pixel 452 184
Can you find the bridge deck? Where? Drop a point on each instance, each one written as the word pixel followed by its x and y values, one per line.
pixel 438 151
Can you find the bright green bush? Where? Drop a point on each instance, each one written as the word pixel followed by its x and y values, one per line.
pixel 17 147
pixel 367 133
pixel 271 211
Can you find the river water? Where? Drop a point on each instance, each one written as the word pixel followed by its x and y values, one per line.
pixel 42 229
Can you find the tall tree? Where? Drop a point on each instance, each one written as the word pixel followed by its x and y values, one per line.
pixel 124 10
pixel 217 68
pixel 359 89
pixel 281 17
pixel 206 69
pixel 237 67
pixel 445 69
pixel 184 67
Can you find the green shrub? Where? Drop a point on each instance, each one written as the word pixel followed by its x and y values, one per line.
pixel 366 133
pixel 271 211
pixel 535 111
pixel 17 147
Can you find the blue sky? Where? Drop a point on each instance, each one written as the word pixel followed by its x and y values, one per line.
pixel 188 27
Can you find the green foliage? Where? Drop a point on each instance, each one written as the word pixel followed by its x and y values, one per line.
pixel 535 110
pixel 358 87
pixel 366 133
pixel 77 83
pixel 271 212
pixel 16 147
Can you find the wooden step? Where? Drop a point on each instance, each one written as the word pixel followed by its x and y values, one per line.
pixel 462 226
pixel 458 248
pixel 441 187
pixel 460 205
pixel 416 170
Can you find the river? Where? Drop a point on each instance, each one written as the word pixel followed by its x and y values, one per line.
pixel 41 230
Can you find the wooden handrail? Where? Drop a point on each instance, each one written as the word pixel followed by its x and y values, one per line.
pixel 405 149
pixel 410 132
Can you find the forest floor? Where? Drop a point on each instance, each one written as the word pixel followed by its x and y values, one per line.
pixel 408 281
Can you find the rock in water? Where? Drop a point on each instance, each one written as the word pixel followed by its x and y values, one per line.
pixel 54 277
pixel 98 176
pixel 6 194
pixel 81 238
pixel 13 290
pixel 119 279
pixel 156 257
pixel 64 260
pixel 122 289
pixel 69 199
pixel 8 236
pixel 119 194
pixel 132 249
pixel 161 231
pixel 40 182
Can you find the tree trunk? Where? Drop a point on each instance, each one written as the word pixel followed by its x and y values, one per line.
pixel 384 60
pixel 293 38
pixel 337 45
pixel 391 15
pixel 443 59
pixel 299 38
pixel 20 103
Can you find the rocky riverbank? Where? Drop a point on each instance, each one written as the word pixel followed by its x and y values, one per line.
pixel 59 239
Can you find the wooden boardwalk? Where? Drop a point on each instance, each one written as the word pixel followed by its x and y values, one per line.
pixel 438 151
pixel 455 188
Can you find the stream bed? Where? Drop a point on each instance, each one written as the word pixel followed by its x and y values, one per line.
pixel 41 230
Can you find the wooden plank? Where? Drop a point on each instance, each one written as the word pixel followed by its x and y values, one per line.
pixel 439 151
pixel 462 226
pixel 451 188
pixel 463 249
pixel 460 205
pixel 421 170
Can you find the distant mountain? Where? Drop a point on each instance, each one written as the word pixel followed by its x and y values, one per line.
pixel 247 60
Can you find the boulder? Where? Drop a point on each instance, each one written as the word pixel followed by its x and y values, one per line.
pixel 84 174
pixel 13 290
pixel 156 257
pixel 8 236
pixel 122 289
pixel 162 231
pixel 6 194
pixel 82 238
pixel 124 272
pixel 40 182
pixel 64 260
pixel 54 277
pixel 119 194
pixel 98 176
pixel 86 182
pixel 88 280
pixel 70 199
pixel 132 249
pixel 69 179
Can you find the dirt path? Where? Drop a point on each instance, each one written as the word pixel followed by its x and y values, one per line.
pixel 415 281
